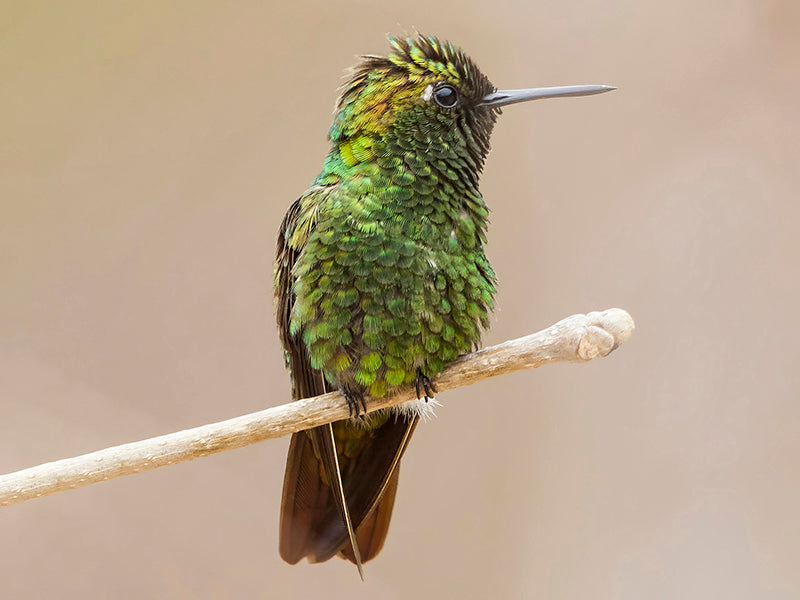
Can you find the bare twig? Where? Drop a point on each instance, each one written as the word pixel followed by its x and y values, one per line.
pixel 575 339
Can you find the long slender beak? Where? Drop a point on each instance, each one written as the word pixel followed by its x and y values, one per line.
pixel 505 97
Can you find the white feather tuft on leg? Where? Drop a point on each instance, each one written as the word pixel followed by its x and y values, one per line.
pixel 425 408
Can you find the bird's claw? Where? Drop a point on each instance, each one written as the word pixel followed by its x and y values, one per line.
pixel 424 384
pixel 355 402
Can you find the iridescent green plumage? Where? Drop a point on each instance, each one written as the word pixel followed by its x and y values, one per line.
pixel 381 279
pixel 393 278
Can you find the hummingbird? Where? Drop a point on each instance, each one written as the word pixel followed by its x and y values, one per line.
pixel 381 280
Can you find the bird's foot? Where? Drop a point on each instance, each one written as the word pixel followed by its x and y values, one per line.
pixel 424 384
pixel 355 402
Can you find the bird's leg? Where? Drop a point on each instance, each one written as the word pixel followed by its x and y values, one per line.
pixel 424 383
pixel 355 402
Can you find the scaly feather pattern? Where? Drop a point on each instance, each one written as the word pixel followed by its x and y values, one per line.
pixel 381 279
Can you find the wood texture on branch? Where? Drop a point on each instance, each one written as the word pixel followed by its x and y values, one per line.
pixel 578 338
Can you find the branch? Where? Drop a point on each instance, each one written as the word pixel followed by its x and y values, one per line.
pixel 578 338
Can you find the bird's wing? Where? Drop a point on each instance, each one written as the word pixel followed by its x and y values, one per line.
pixel 313 523
pixel 373 507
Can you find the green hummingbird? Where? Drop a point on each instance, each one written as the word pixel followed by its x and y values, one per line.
pixel 381 280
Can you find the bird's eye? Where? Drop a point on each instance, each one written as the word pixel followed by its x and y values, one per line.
pixel 446 96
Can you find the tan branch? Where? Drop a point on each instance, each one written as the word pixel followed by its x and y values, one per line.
pixel 575 339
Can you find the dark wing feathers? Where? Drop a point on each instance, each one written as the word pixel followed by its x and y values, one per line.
pixel 311 522
pixel 304 502
pixel 372 531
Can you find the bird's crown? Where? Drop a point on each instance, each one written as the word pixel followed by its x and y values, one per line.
pixel 423 74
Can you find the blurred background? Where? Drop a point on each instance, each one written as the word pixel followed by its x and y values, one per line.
pixel 147 155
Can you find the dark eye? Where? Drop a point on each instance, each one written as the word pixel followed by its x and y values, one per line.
pixel 446 96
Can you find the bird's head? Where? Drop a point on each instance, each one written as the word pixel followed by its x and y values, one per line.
pixel 431 92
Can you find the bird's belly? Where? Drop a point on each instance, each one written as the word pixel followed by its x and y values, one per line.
pixel 376 316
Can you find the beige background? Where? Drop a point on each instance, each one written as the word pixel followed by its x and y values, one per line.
pixel 148 151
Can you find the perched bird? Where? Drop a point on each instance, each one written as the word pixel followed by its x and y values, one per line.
pixel 381 280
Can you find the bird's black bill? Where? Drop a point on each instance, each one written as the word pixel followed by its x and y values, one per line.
pixel 506 97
